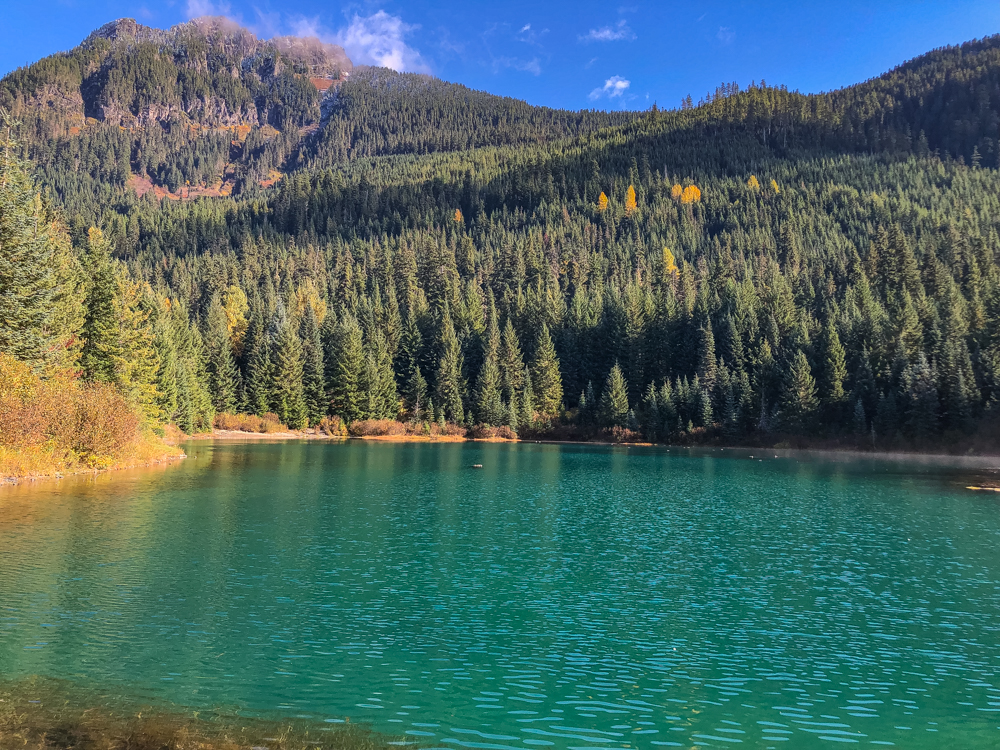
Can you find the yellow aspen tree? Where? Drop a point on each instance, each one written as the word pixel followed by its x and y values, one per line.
pixel 630 201
pixel 602 202
pixel 691 194
pixel 752 183
pixel 676 191
pixel 234 303
pixel 774 187
pixel 458 216
pixel 669 262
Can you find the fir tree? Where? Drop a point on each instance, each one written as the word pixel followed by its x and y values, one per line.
pixel 798 403
pixel 100 324
pixel 614 400
pixel 449 374
pixel 489 406
pixel 29 243
pixel 222 372
pixel 545 377
pixel 287 394
pixel 347 371
pixel 313 370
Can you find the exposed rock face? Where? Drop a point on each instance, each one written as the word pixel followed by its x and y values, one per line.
pixel 208 71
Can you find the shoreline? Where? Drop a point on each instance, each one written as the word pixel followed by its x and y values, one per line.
pixel 982 461
pixel 15 481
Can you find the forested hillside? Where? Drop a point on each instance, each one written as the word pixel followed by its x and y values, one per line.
pixel 761 266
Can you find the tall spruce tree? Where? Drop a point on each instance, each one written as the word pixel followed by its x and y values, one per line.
pixel 347 371
pixel 545 377
pixel 30 244
pixel 223 375
pixel 288 397
pixel 614 399
pixel 798 400
pixel 313 370
pixel 489 405
pixel 449 374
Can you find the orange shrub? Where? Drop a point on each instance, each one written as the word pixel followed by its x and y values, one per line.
pixel 249 423
pixel 59 423
pixel 376 427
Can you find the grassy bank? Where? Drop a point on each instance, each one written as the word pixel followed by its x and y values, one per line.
pixel 60 425
pixel 40 714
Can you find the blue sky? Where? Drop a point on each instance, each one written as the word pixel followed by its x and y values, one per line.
pixel 563 54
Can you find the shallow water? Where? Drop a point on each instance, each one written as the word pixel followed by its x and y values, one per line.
pixel 562 596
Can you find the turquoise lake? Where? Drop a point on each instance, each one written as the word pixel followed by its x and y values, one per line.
pixel 559 597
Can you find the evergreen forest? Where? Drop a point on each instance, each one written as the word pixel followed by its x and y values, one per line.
pixel 756 267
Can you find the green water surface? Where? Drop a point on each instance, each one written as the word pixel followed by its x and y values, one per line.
pixel 559 597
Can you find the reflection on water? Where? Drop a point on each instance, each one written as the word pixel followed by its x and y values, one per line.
pixel 562 596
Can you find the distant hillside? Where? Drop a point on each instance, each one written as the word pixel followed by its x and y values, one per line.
pixel 206 108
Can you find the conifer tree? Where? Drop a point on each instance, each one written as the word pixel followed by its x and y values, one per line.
pixel 287 394
pixel 449 374
pixel 834 367
pixel 511 364
pixel 798 402
pixel 313 370
pixel 614 400
pixel 258 377
pixel 222 371
pixel 30 244
pixel 545 377
pixel 489 407
pixel 100 323
pixel 347 371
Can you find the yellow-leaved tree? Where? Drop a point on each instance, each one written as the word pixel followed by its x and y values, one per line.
pixel 774 187
pixel 234 302
pixel 458 216
pixel 676 191
pixel 630 205
pixel 602 202
pixel 752 183
pixel 691 194
pixel 669 263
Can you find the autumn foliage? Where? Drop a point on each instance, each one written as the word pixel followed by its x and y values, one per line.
pixel 602 202
pixel 630 204
pixel 62 424
pixel 691 194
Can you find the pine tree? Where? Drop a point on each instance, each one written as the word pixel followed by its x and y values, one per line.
pixel 545 377
pixel 921 399
pixel 100 323
pixel 449 374
pixel 287 394
pixel 614 400
pixel 511 364
pixel 347 371
pixel 489 406
pixel 31 243
pixel 707 363
pixel 834 367
pixel 313 377
pixel 222 371
pixel 798 403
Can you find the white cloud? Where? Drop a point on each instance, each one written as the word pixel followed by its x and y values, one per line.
pixel 613 87
pixel 726 34
pixel 526 27
pixel 378 39
pixel 617 33
pixel 196 8
pixel 532 66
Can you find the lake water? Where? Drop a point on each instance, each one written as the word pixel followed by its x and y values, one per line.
pixel 559 597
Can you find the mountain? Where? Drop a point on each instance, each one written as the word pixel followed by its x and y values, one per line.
pixel 206 108
pixel 762 266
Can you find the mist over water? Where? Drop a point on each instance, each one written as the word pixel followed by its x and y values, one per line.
pixel 561 596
